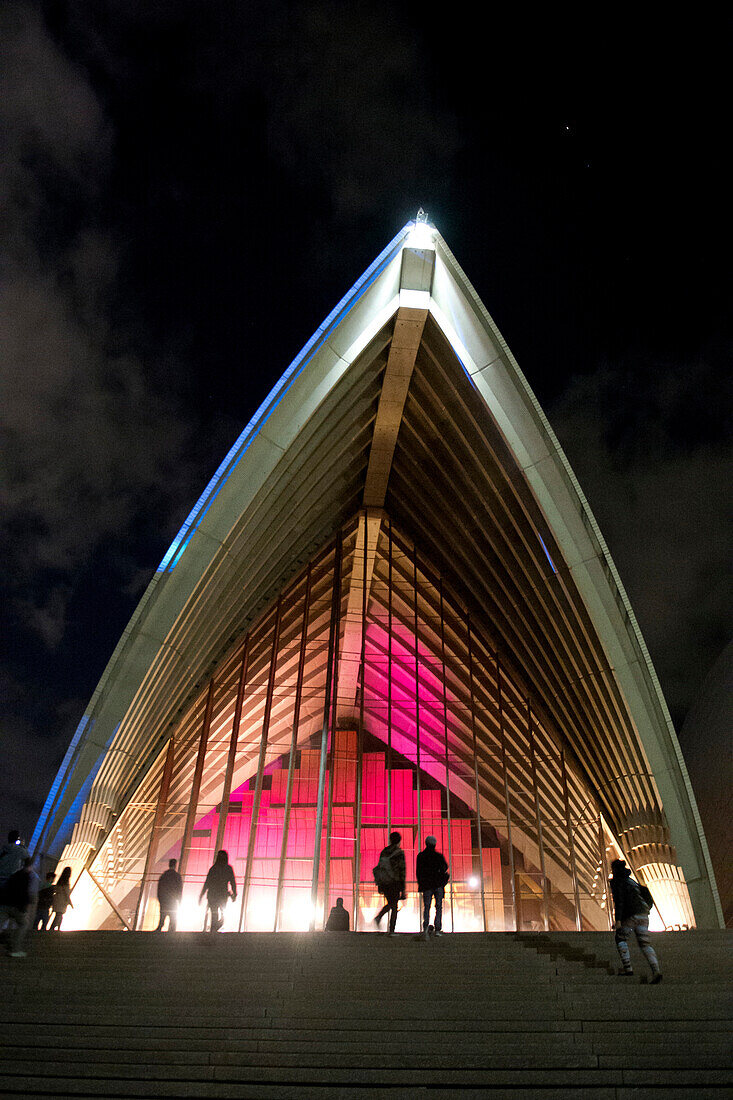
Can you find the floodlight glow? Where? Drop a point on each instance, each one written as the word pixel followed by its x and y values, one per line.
pixel 473 882
pixel 261 909
pixel 85 897
pixel 301 912
pixel 421 235
pixel 189 915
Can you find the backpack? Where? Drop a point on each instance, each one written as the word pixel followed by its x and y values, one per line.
pixel 384 873
pixel 642 892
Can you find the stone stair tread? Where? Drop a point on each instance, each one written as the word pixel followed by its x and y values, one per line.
pixel 306 1016
pixel 297 1074
pixel 268 1026
pixel 265 1091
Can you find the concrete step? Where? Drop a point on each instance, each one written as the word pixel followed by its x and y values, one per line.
pixel 262 1090
pixel 488 1050
pixel 186 1014
pixel 405 1033
pixel 226 1031
pixel 393 1077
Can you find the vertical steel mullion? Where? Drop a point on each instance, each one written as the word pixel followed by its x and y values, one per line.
pixel 293 747
pixel 502 736
pixel 329 810
pixel 196 788
pixel 447 762
pixel 360 735
pixel 538 813
pixel 571 842
pixel 332 773
pixel 604 868
pixel 389 682
pixel 232 756
pixel 331 676
pixel 152 853
pixel 255 819
pixel 479 830
pixel 417 707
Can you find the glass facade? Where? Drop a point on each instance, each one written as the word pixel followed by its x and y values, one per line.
pixel 367 698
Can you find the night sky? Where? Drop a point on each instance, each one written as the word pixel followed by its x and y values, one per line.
pixel 189 188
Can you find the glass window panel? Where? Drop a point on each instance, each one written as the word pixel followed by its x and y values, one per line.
pixel 403 739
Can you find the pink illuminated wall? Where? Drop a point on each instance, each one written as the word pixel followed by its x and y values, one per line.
pixel 337 860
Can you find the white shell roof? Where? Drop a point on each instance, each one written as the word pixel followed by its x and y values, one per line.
pixel 297 472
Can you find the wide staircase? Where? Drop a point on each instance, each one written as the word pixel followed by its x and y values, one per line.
pixel 344 1016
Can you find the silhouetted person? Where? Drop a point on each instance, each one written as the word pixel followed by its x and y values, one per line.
pixel 61 898
pixel 170 891
pixel 338 918
pixel 631 905
pixel 12 856
pixel 220 885
pixel 19 906
pixel 45 903
pixel 390 875
pixel 431 870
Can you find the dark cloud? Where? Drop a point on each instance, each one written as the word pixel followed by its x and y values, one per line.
pixel 355 109
pixel 33 741
pixel 187 189
pixel 706 743
pixel 88 435
pixel 85 434
pixel 650 445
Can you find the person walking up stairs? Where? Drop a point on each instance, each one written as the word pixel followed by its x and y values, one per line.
pixel 632 903
pixel 431 871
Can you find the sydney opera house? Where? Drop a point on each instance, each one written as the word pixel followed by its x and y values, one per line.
pixel 391 608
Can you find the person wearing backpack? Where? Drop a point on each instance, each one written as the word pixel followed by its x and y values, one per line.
pixel 390 875
pixel 632 903
pixel 431 870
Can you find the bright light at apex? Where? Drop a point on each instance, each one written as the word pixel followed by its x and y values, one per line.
pixel 420 236
pixel 473 882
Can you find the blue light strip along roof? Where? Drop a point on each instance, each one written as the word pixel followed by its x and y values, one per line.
pixel 547 552
pixel 64 770
pixel 72 814
pixel 275 396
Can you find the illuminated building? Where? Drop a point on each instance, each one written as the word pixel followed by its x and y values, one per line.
pixel 391 608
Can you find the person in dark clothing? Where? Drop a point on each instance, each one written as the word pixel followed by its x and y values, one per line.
pixel 19 905
pixel 392 879
pixel 170 890
pixel 12 856
pixel 61 898
pixel 431 870
pixel 220 885
pixel 45 903
pixel 631 913
pixel 338 918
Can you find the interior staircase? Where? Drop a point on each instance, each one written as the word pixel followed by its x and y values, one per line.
pixel 360 1015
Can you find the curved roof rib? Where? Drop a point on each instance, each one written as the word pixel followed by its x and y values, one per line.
pixel 405 402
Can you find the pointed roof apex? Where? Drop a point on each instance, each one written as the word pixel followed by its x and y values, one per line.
pixel 421 234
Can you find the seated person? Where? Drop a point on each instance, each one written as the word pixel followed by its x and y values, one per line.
pixel 338 918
